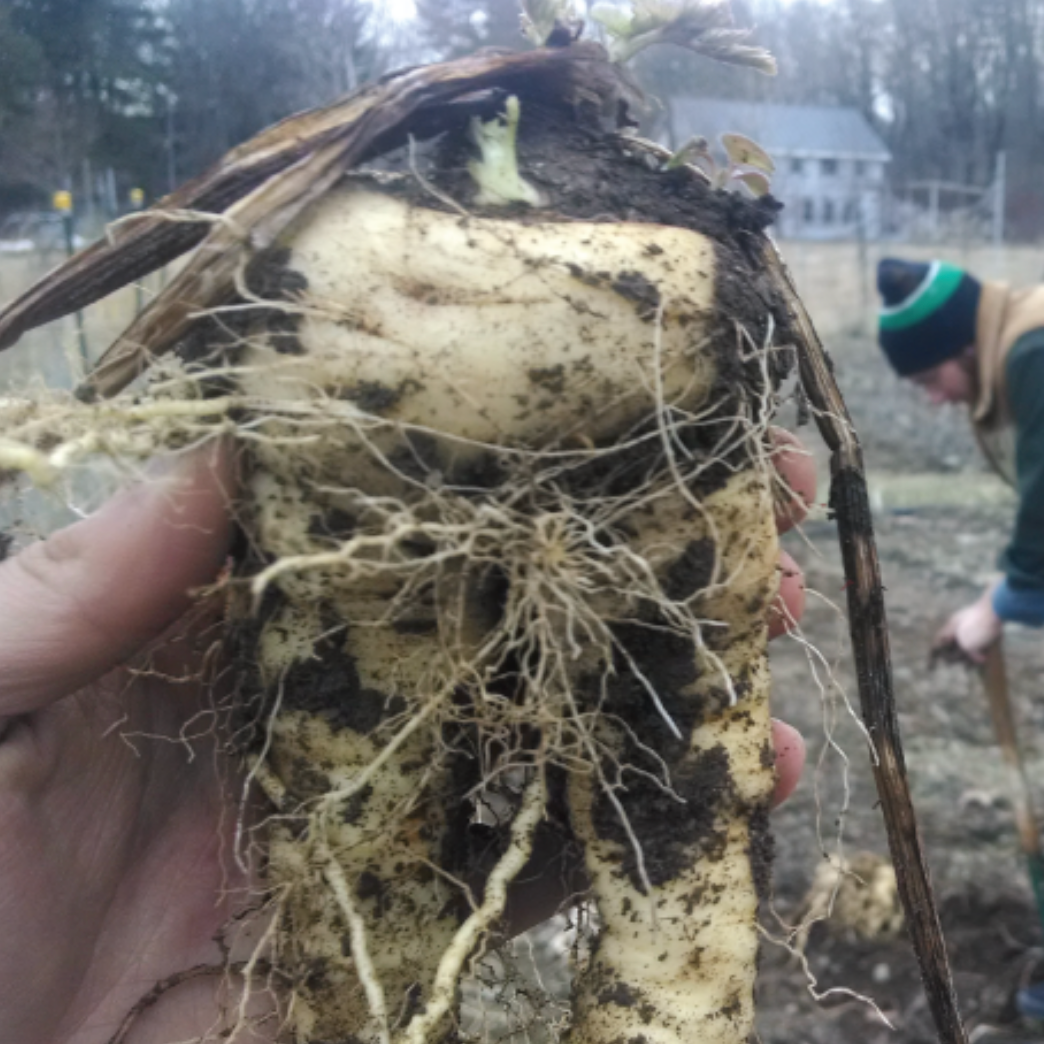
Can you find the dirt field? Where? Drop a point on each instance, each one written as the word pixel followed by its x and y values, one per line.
pixel 941 520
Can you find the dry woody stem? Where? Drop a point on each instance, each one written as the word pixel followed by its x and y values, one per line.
pixel 869 629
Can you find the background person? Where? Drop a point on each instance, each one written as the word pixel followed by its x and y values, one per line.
pixel 980 344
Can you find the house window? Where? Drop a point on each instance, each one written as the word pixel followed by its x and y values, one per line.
pixel 828 211
pixel 797 166
pixel 829 166
pixel 852 212
pixel 809 211
pixel 860 168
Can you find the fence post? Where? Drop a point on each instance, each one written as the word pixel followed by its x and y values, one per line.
pixel 137 201
pixel 63 203
pixel 1000 178
pixel 864 266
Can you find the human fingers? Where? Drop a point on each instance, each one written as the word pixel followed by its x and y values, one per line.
pixel 973 639
pixel 944 647
pixel 790 759
pixel 77 604
pixel 947 634
pixel 797 470
pixel 961 639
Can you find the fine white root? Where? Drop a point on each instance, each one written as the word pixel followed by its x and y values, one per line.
pixel 364 966
pixel 485 918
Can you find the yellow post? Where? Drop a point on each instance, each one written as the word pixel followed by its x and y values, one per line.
pixel 62 201
pixel 137 201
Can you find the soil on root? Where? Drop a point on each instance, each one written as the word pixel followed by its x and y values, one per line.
pixel 594 175
pixel 589 172
pixel 327 686
pixel 670 833
pixel 214 340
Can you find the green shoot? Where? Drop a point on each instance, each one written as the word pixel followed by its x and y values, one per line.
pixel 496 172
pixel 696 151
pixel 747 162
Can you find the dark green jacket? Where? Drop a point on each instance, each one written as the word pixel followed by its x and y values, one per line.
pixel 1021 597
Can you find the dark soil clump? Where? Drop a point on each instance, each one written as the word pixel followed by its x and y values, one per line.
pixel 762 852
pixel 328 686
pixel 215 339
pixel 672 835
pixel 692 572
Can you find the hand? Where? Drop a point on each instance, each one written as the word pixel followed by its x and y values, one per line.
pixel 797 470
pixel 972 629
pixel 114 873
pixel 111 871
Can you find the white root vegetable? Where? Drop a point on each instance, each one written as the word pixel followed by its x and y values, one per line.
pixel 509 516
pixel 675 960
pixel 479 339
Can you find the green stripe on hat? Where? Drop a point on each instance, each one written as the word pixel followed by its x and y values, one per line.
pixel 938 287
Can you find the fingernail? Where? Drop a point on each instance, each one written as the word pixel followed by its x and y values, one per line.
pixel 160 476
pixel 180 468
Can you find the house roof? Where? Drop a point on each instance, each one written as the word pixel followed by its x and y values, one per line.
pixel 792 130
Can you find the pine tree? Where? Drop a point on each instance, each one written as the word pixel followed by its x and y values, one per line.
pixel 70 72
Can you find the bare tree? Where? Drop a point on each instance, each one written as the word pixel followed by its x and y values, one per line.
pixel 455 27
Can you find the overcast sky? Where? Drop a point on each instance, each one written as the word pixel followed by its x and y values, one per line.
pixel 402 9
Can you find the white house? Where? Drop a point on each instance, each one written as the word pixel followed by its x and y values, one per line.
pixel 831 166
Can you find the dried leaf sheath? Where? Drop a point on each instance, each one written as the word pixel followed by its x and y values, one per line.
pixel 255 189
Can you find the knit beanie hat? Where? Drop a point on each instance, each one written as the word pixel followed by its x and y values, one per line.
pixel 928 313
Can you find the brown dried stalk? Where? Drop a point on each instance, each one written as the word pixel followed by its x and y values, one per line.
pixel 868 626
pixel 260 187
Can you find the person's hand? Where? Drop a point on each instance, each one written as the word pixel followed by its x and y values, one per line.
pixel 115 868
pixel 797 470
pixel 113 857
pixel 971 630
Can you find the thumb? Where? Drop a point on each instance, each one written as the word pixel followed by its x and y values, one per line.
pixel 76 605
